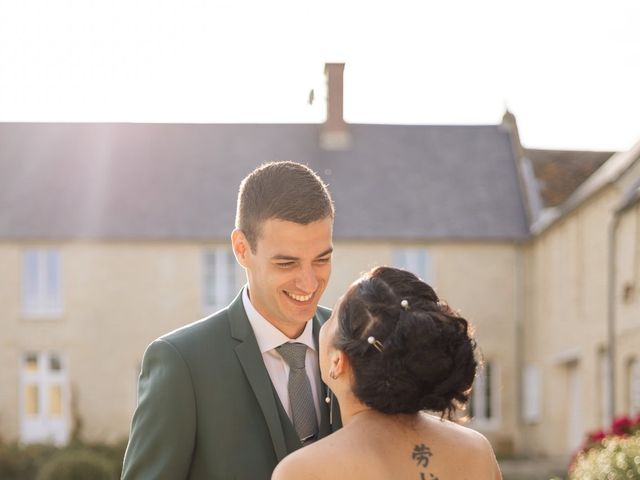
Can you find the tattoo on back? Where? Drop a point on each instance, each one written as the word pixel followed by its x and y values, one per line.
pixel 421 454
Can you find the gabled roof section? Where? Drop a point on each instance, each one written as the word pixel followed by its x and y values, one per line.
pixel 560 172
pixel 426 182
pixel 180 181
pixel 608 173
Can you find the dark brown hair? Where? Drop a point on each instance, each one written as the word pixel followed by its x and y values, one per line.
pixel 426 357
pixel 282 190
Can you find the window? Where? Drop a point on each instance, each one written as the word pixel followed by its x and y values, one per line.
pixel 575 422
pixel 42 286
pixel 485 401
pixel 634 386
pixel 222 278
pixel 605 388
pixel 416 260
pixel 44 404
pixel 531 409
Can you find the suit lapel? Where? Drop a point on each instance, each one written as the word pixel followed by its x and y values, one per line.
pixel 253 365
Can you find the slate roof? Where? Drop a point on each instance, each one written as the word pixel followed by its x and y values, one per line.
pixel 180 181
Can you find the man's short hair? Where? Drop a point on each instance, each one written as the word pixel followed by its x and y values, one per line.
pixel 282 190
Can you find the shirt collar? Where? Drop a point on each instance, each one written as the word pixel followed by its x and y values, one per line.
pixel 268 336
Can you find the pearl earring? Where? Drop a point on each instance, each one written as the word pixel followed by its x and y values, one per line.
pixel 329 401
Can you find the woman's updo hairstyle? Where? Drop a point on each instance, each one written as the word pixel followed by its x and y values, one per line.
pixel 426 357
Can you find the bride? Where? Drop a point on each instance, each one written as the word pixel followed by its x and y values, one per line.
pixel 390 352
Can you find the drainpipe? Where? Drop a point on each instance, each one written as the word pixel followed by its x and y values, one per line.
pixel 611 313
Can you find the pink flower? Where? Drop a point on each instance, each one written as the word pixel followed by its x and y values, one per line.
pixel 621 425
pixel 596 436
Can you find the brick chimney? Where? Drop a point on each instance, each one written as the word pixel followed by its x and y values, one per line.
pixel 335 134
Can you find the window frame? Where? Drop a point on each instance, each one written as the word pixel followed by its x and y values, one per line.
pixel 43 425
pixel 225 278
pixel 417 260
pixel 479 393
pixel 532 394
pixel 42 289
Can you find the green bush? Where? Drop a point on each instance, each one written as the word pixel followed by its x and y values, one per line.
pixel 617 458
pixel 77 465
pixel 112 452
pixel 23 462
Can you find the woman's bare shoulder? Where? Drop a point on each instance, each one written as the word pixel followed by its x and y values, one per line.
pixel 296 466
pixel 309 463
pixel 456 439
pixel 456 431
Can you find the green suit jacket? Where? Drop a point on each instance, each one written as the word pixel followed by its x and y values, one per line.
pixel 207 408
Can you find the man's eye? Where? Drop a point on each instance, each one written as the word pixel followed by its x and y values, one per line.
pixel 284 265
pixel 324 260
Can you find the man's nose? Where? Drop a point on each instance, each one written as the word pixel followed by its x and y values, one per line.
pixel 307 281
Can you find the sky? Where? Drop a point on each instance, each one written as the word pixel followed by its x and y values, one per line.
pixel 569 70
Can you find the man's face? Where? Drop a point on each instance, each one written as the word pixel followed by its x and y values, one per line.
pixel 289 270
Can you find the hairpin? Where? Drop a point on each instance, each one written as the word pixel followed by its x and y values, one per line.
pixel 404 304
pixel 376 343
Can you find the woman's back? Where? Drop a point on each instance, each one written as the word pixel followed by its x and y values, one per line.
pixel 391 350
pixel 379 446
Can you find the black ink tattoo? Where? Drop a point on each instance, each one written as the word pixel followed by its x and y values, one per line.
pixel 421 454
pixel 431 477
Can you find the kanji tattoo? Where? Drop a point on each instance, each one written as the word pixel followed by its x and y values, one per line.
pixel 421 454
pixel 431 477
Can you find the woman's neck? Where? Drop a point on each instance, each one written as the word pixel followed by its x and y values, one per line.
pixel 351 407
pixel 353 410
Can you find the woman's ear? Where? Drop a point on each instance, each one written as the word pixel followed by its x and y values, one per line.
pixel 340 363
pixel 240 247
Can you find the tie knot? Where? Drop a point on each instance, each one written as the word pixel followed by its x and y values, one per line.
pixel 294 354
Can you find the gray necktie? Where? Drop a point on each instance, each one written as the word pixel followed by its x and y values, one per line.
pixel 303 410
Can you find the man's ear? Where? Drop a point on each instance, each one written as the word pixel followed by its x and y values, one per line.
pixel 240 247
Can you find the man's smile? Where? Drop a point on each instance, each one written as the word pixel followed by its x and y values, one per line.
pixel 300 298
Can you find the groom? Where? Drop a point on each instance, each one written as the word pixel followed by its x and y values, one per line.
pixel 229 396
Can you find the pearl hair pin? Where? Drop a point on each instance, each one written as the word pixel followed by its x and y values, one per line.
pixel 405 304
pixel 376 343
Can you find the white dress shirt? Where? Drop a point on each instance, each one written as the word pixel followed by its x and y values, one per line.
pixel 269 338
